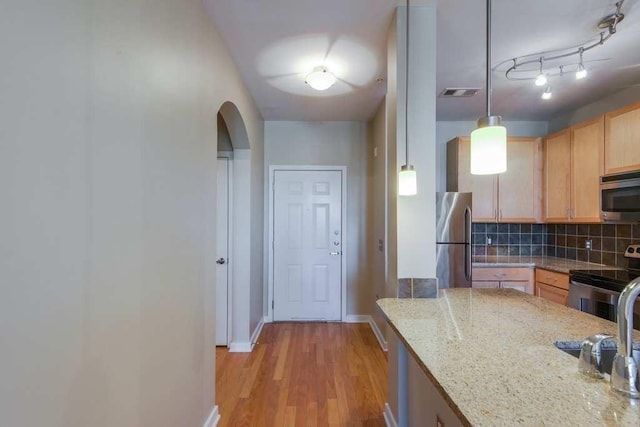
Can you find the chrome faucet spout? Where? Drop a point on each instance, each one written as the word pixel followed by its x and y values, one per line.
pixel 624 374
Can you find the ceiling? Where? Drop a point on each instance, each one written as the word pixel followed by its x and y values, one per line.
pixel 275 43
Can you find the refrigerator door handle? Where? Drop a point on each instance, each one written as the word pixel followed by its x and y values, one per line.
pixel 467 237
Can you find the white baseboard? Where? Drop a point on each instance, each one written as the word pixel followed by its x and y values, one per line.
pixel 240 347
pixel 357 318
pixel 266 319
pixel 365 318
pixel 214 417
pixel 247 347
pixel 388 416
pixel 256 333
pixel 378 333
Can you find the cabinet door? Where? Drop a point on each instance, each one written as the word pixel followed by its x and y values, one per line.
pixel 485 285
pixel 519 188
pixel 552 293
pixel 587 147
pixel 483 187
pixel 526 287
pixel 556 176
pixel 622 140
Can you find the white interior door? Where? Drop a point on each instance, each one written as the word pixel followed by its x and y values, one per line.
pixel 307 253
pixel 222 264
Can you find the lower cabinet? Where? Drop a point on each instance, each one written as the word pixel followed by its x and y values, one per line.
pixel 520 278
pixel 414 401
pixel 552 286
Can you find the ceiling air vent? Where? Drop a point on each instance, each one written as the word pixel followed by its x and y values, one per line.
pixel 458 92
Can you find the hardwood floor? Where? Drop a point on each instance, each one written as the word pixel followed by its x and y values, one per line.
pixel 304 374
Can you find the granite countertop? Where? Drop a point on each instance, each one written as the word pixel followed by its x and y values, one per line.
pixel 491 354
pixel 560 265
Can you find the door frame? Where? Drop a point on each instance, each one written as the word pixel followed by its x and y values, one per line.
pixel 270 241
pixel 228 155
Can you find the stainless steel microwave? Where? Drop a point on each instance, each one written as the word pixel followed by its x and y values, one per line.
pixel 620 197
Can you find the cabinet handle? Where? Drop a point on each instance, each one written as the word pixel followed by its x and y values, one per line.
pixel 501 214
pixel 495 214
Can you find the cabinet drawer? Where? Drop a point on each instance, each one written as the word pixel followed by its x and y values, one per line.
pixel 559 280
pixel 526 287
pixel 485 285
pixel 551 293
pixel 501 273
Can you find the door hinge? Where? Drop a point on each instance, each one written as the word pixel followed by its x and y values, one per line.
pixel 272 305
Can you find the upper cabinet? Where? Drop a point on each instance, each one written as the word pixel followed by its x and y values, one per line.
pixel 572 168
pixel 514 196
pixel 622 140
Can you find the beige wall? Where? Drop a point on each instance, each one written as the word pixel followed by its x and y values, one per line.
pixel 332 144
pixel 612 102
pixel 107 177
pixel 377 214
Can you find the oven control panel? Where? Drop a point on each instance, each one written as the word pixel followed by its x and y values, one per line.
pixel 633 251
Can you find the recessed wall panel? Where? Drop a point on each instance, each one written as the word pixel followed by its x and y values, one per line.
pixel 321 189
pixel 321 225
pixel 294 283
pixel 294 188
pixel 321 283
pixel 294 225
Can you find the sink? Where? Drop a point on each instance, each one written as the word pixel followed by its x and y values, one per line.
pixel 607 352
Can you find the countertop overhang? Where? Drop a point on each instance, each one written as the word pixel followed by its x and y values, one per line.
pixel 491 354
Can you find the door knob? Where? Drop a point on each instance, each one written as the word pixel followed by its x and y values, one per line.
pixel 335 253
pixel 221 261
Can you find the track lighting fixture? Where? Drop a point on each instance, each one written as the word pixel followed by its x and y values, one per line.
pixel 541 67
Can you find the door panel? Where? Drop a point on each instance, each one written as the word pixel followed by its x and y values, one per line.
pixel 557 171
pixel 307 253
pixel 222 244
pixel 518 188
pixel 587 146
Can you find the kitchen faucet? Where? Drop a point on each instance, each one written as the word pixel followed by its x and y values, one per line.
pixel 624 373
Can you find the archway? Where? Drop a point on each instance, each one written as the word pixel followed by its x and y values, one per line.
pixel 234 147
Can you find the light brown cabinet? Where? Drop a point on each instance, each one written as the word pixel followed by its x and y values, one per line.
pixel 520 278
pixel 622 140
pixel 514 196
pixel 552 286
pixel 573 163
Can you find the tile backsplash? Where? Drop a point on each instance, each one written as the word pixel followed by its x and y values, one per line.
pixel 608 241
pixel 508 239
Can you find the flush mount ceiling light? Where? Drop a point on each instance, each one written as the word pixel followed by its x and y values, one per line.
pixel 489 140
pixel 556 63
pixel 320 78
pixel 407 179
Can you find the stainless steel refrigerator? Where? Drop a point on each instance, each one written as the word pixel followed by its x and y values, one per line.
pixel 453 240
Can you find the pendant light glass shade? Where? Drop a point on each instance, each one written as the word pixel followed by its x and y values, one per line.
pixel 489 150
pixel 489 141
pixel 407 181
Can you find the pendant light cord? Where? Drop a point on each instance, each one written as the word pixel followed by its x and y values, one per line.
pixel 406 90
pixel 488 58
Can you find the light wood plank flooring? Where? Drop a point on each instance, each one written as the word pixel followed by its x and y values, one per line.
pixel 304 374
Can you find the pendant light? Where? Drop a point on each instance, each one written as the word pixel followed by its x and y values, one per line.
pixel 407 179
pixel 489 140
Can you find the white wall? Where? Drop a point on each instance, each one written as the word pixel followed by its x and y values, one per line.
pixel 332 144
pixel 107 178
pixel 446 131
pixel 617 100
pixel 416 214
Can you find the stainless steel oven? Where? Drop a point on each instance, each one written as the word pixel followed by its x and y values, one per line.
pixel 599 302
pixel 620 197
